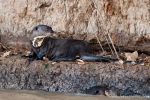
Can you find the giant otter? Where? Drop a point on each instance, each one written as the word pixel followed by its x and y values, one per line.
pixel 97 90
pixel 103 90
pixel 60 49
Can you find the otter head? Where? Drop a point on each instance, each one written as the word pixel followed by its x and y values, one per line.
pixel 41 30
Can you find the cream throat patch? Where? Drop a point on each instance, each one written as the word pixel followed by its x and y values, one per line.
pixel 37 41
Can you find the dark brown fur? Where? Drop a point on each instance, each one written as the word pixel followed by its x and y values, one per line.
pixel 64 50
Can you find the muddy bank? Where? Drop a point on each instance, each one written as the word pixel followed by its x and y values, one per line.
pixel 71 77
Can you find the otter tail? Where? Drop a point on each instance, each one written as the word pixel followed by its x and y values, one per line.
pixel 89 57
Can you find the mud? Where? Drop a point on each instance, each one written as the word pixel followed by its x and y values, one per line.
pixel 131 80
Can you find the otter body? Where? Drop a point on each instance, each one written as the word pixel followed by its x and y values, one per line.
pixel 66 50
pixel 63 49
pixel 103 90
pixel 97 90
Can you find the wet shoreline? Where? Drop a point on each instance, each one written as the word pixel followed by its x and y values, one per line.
pixel 42 95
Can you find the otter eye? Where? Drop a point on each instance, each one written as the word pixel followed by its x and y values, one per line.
pixel 36 28
pixel 96 92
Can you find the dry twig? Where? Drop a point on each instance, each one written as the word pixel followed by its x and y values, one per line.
pixel 107 33
pixel 3 46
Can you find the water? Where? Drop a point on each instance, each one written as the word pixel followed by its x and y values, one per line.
pixel 42 95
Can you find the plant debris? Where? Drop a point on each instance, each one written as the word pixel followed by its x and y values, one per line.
pixel 131 56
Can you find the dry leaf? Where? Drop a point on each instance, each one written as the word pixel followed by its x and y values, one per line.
pixel 45 59
pixel 80 62
pixel 120 62
pixel 53 63
pixel 107 94
pixel 6 54
pixel 131 56
pixel 147 59
pixel 3 46
pixel 142 64
pixel 27 53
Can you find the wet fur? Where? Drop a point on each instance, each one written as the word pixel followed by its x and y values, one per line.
pixel 96 90
pixel 42 45
pixel 103 90
pixel 65 50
